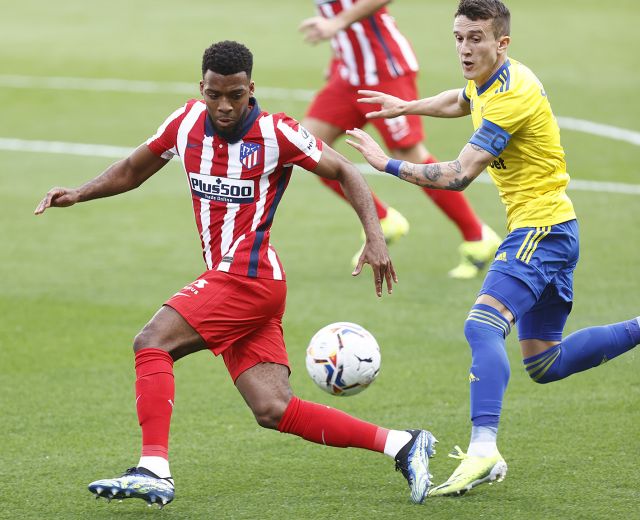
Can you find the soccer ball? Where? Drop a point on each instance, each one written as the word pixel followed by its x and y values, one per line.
pixel 343 358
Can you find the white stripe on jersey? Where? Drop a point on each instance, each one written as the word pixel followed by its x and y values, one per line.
pixel 234 171
pixel 370 72
pixel 225 263
pixel 185 127
pixel 271 254
pixel 169 153
pixel 368 57
pixel 348 57
pixel 271 157
pixel 346 49
pixel 181 145
pixel 205 207
pixel 300 142
pixel 403 43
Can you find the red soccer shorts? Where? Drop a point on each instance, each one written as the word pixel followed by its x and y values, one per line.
pixel 238 317
pixel 337 105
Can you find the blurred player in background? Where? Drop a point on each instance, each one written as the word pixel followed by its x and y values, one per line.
pixel 238 160
pixel 530 281
pixel 370 51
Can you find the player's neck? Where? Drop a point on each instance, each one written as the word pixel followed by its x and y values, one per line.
pixel 499 63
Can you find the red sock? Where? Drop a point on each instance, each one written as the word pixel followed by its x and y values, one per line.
pixel 155 392
pixel 456 206
pixel 381 207
pixel 325 425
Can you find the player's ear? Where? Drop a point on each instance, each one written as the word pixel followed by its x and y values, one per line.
pixel 252 88
pixel 503 43
pixel 202 87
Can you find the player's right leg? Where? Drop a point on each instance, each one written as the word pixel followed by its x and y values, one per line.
pixel 515 285
pixel 501 301
pixel 334 110
pixel 265 388
pixel 394 225
pixel 259 366
pixel 486 328
pixel 166 338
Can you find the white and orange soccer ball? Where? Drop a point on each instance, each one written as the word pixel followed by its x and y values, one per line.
pixel 343 358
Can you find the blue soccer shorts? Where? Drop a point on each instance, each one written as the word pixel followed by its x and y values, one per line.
pixel 532 275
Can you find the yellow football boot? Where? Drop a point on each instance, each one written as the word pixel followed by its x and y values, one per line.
pixel 476 255
pixel 471 472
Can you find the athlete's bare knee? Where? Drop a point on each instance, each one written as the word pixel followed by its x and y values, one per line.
pixel 142 340
pixel 269 413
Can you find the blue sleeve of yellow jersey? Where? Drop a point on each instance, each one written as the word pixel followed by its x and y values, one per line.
pixel 490 137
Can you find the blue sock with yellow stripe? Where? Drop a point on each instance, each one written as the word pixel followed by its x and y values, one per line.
pixel 582 350
pixel 486 330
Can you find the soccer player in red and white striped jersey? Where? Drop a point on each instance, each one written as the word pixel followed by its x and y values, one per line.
pixel 238 160
pixel 370 52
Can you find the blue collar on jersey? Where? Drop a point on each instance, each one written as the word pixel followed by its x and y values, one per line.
pixel 253 114
pixel 481 90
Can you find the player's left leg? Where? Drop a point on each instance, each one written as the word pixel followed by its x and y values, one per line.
pixel 547 357
pixel 265 388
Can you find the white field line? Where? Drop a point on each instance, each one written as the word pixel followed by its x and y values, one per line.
pixel 191 89
pixel 608 131
pixel 117 152
pixel 141 87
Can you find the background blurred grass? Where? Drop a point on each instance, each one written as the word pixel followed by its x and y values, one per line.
pixel 78 284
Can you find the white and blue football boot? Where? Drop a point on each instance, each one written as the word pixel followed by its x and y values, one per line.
pixel 413 461
pixel 136 483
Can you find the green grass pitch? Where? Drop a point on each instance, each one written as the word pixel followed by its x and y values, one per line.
pixel 77 284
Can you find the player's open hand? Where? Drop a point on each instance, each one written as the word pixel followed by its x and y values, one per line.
pixel 318 29
pixel 375 254
pixel 390 106
pixel 57 197
pixel 369 149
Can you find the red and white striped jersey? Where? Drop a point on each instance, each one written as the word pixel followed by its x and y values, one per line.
pixel 370 51
pixel 236 186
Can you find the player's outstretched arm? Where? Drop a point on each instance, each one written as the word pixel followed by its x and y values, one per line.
pixel 318 29
pixel 452 175
pixel 449 103
pixel 332 165
pixel 124 175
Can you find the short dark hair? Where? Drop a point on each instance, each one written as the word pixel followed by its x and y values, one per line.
pixel 226 58
pixel 487 10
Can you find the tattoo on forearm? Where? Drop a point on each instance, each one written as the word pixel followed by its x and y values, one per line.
pixel 430 175
pixel 459 184
pixel 431 172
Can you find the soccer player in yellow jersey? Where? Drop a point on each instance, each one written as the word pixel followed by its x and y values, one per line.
pixel 530 281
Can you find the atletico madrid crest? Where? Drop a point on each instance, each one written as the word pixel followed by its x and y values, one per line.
pixel 250 155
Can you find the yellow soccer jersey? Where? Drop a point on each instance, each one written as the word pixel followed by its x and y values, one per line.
pixel 514 122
